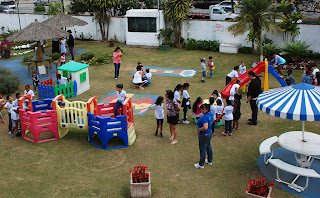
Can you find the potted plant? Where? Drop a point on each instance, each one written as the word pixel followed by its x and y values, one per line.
pixel 140 182
pixel 165 36
pixel 5 49
pixel 259 188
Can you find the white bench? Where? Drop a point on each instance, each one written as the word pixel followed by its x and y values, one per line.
pixel 267 147
pixel 279 164
pixel 229 47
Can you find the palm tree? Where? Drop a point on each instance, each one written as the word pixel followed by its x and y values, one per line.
pixel 175 12
pixel 256 16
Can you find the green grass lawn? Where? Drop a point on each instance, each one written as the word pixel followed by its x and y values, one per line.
pixel 72 167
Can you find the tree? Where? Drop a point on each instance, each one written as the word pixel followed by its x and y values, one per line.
pixel 54 8
pixel 102 10
pixel 256 16
pixel 175 12
pixel 77 6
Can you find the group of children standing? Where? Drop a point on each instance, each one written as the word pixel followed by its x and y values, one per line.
pixel 13 111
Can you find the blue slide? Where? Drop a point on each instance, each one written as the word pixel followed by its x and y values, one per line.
pixel 276 75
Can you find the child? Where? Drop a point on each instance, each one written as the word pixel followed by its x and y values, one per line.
pixel 63 58
pixel 121 96
pixel 236 111
pixel 219 109
pixel 59 80
pixel 314 71
pixel 15 120
pixel 242 68
pixel 216 96
pixel 211 66
pixel 177 95
pixel 185 102
pixel 232 74
pixel 290 79
pixel 8 106
pixel 279 62
pixel 2 103
pixel 158 107
pixel 148 75
pixel 228 117
pixel 35 80
pixel 234 90
pixel 196 111
pixel 203 69
pixel 213 110
pixel 28 91
pixel 307 77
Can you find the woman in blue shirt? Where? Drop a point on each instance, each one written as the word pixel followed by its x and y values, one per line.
pixel 204 135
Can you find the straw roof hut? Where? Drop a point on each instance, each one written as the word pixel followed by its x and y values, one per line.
pixel 37 31
pixel 63 20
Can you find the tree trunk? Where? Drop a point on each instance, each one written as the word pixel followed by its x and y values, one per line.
pixel 177 35
pixel 108 23
pixel 261 50
pixel 252 45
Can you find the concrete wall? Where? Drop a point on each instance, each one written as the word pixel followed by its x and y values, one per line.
pixel 144 38
pixel 197 29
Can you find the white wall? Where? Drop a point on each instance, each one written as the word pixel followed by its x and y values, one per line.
pixel 197 29
pixel 144 38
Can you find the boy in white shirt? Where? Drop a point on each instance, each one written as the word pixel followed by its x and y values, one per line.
pixel 28 91
pixel 8 106
pixel 15 120
pixel 234 89
pixel 242 68
pixel 148 76
pixel 232 74
pixel 121 96
pixel 314 71
pixel 228 117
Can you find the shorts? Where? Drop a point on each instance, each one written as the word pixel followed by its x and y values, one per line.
pixel 14 123
pixel 204 74
pixel 159 122
pixel 173 119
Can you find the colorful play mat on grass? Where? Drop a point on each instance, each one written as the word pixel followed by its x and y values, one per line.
pixel 165 71
pixel 140 102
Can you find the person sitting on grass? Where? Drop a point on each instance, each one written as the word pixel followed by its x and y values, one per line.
pixel 137 78
pixel 290 79
pixel 148 75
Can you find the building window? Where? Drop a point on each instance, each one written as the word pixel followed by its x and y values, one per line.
pixel 142 24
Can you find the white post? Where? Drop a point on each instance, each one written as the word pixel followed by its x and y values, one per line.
pixel 303 131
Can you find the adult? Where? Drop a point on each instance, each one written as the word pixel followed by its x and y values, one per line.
pixel 205 130
pixel 137 78
pixel 70 43
pixel 172 115
pixel 63 46
pixel 117 61
pixel 279 62
pixel 254 90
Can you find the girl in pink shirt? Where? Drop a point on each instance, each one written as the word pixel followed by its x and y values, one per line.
pixel 63 59
pixel 117 61
pixel 196 111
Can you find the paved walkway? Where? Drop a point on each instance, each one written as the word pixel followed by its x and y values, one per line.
pixel 22 71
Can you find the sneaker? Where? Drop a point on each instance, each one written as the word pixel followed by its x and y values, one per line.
pixel 224 134
pixel 18 134
pixel 161 135
pixel 185 122
pixel 207 162
pixel 174 142
pixel 203 81
pixel 156 133
pixel 116 78
pixel 198 166
pixel 9 133
pixel 170 138
pixel 141 88
pixel 230 134
pixel 12 136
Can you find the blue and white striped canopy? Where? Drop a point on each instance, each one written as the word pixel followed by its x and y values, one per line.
pixel 297 102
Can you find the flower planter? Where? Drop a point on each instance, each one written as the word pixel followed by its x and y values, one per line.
pixel 164 47
pixel 250 195
pixel 6 54
pixel 140 189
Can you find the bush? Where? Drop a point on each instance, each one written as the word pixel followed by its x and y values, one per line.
pixel 296 50
pixel 100 59
pixel 27 57
pixel 9 82
pixel 39 8
pixel 54 56
pixel 313 55
pixel 87 56
pixel 245 50
pixel 269 48
pixel 193 44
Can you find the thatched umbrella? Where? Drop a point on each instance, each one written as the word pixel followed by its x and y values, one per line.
pixel 37 31
pixel 63 20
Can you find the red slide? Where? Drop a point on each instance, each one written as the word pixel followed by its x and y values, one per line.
pixel 243 78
